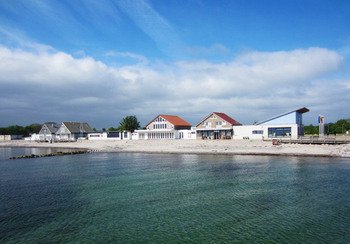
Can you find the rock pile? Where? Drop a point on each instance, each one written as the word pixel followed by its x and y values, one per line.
pixel 49 155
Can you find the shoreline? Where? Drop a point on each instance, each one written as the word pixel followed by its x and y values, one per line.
pixel 206 147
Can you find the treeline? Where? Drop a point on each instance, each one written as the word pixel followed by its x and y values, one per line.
pixel 20 130
pixel 340 127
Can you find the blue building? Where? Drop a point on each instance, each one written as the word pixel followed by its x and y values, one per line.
pixel 286 125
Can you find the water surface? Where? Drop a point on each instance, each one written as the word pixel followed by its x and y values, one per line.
pixel 151 198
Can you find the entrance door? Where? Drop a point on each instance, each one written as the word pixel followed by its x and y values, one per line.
pixel 216 135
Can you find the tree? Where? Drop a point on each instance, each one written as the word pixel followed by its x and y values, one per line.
pixel 112 129
pixel 310 130
pixel 20 130
pixel 129 123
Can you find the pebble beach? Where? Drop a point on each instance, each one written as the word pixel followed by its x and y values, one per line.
pixel 232 147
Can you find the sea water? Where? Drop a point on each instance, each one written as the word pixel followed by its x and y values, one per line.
pixel 173 198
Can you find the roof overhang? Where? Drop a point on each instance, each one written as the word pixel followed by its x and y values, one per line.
pixel 302 110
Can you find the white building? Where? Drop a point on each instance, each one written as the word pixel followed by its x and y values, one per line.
pixel 71 131
pixel 110 135
pixel 286 125
pixel 216 126
pixel 165 127
pixel 47 132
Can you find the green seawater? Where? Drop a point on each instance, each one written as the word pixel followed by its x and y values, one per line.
pixel 159 198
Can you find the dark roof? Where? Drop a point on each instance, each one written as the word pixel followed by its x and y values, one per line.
pixel 299 110
pixel 223 116
pixel 52 127
pixel 175 120
pixel 78 127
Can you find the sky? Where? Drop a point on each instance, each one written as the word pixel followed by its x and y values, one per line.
pixel 99 61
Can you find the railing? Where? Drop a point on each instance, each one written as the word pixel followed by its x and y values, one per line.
pixel 343 139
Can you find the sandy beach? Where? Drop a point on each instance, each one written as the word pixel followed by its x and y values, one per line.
pixel 234 147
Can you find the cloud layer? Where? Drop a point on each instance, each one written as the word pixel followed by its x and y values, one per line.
pixel 54 86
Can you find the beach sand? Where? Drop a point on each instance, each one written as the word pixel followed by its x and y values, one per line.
pixel 233 147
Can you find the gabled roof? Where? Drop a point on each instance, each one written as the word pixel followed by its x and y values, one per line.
pixel 78 127
pixel 175 120
pixel 223 116
pixel 52 127
pixel 298 110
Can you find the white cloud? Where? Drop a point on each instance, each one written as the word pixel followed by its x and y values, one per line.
pixel 250 87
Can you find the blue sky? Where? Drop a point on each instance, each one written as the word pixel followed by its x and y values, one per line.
pixel 99 61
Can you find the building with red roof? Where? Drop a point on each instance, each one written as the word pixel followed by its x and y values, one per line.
pixel 216 126
pixel 166 127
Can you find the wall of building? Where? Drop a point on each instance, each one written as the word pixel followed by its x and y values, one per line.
pixel 153 134
pixel 10 137
pixel 164 134
pixel 160 123
pixel 260 132
pixel 109 135
pixel 186 134
pixel 255 132
pixel 214 122
pixel 283 120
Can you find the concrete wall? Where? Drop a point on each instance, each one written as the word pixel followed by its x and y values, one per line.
pixel 186 134
pixel 253 131
pixel 10 137
pixel 105 135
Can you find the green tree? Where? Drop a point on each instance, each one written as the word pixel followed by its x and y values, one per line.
pixel 33 128
pixel 310 130
pixel 112 129
pixel 129 123
pixel 20 130
pixel 341 126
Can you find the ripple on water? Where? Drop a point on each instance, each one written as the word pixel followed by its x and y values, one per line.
pixel 174 198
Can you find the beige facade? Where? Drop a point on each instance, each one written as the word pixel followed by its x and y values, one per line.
pixel 159 123
pixel 214 122
pixel 216 126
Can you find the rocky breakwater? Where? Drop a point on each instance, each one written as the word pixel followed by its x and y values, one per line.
pixel 50 154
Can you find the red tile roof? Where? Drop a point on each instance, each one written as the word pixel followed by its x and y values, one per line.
pixel 224 117
pixel 227 118
pixel 175 120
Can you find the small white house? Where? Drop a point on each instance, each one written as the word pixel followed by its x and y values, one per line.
pixel 47 132
pixel 10 137
pixel 71 131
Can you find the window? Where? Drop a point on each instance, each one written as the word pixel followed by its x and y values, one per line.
pixel 280 132
pixel 113 134
pixel 258 132
pixel 219 123
pixel 95 135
